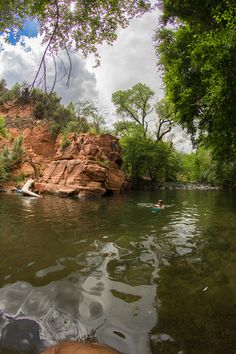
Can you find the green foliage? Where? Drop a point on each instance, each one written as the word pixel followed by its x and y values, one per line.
pixel 79 118
pixel 197 57
pixel 104 163
pixel 82 27
pixel 200 167
pixel 45 105
pixel 65 142
pixel 3 90
pixel 134 104
pixel 17 94
pixel 17 151
pixel 197 166
pixel 121 128
pixel 225 173
pixel 3 129
pixel 4 171
pixel 143 157
pixel 19 179
pixel 10 158
pixel 89 114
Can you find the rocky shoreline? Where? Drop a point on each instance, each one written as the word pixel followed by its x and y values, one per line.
pixel 69 192
pixel 88 167
pixel 188 186
pixel 148 185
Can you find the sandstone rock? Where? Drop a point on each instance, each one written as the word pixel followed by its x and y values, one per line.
pixel 115 180
pixel 25 170
pixel 89 166
pixel 84 168
pixel 41 140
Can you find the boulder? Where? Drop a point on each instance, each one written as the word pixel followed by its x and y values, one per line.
pixel 84 168
pixel 88 166
pixel 41 140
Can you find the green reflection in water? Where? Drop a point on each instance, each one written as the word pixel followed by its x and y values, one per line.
pixel 148 283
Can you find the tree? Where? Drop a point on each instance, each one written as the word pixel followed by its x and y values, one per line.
pixel 88 112
pixel 78 25
pixel 45 105
pixel 10 158
pixel 165 118
pixel 143 157
pixel 17 94
pixel 197 58
pixel 134 103
pixel 3 91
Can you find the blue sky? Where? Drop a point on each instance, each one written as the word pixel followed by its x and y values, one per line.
pixel 30 29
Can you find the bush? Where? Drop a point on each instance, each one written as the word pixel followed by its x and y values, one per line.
pixel 17 151
pixel 9 158
pixel 4 171
pixel 144 157
pixel 65 142
pixel 3 129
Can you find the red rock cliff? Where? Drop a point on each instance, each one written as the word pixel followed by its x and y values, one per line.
pixel 89 166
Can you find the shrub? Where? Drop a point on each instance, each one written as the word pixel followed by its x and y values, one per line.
pixel 9 158
pixel 3 129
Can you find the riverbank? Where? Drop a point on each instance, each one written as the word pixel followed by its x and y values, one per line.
pixel 11 188
pixel 146 184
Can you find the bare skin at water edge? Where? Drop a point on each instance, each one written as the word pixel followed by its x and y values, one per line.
pixel 160 204
pixel 80 348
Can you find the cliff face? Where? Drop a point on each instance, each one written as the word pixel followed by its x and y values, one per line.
pixel 89 166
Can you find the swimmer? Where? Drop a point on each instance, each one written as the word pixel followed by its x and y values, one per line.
pixel 160 204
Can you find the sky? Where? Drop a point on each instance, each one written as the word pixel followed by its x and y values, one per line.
pixel 131 59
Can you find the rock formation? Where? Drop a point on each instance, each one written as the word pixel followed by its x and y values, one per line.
pixel 89 166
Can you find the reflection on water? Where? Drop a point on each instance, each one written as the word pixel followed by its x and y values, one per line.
pixel 139 281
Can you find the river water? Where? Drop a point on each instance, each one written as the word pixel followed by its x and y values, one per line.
pixel 140 280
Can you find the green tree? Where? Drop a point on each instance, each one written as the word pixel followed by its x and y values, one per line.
pixel 17 151
pixel 10 158
pixel 121 128
pixel 197 57
pixel 134 103
pixel 134 106
pixel 3 90
pixel 143 157
pixel 45 105
pixel 89 113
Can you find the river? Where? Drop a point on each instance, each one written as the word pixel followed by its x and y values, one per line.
pixel 140 280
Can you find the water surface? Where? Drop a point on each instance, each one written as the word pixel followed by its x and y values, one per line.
pixel 142 281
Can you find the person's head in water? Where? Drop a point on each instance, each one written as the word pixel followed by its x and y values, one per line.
pixel 160 204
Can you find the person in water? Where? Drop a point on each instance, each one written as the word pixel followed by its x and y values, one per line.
pixel 160 204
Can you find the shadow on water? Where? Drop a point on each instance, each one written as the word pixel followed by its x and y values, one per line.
pixel 139 281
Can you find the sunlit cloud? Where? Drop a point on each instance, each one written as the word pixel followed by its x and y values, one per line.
pixel 20 62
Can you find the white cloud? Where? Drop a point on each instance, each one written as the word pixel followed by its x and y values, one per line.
pixel 20 63
pixel 130 60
